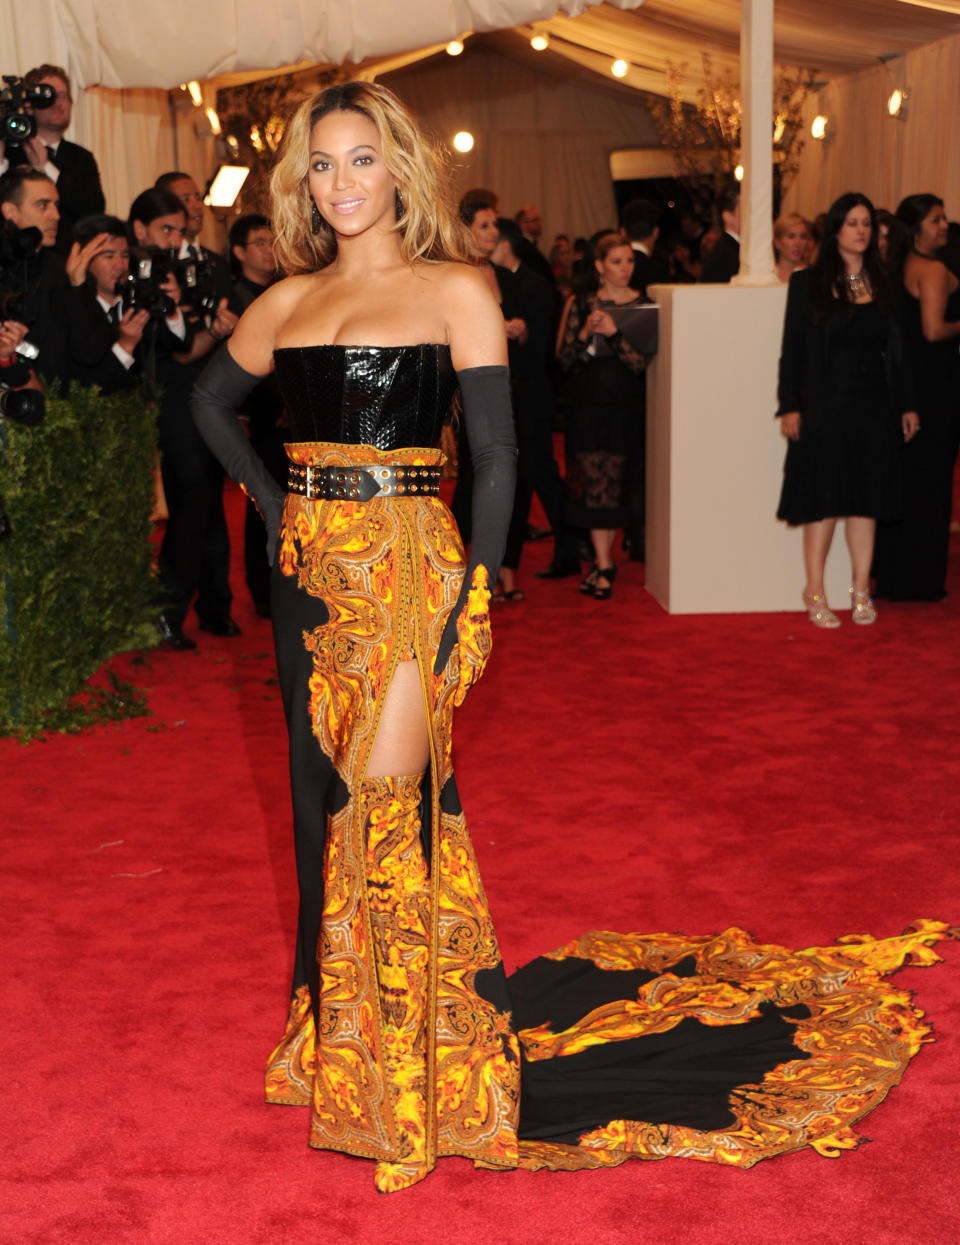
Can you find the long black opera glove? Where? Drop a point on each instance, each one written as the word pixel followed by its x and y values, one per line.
pixel 488 420
pixel 220 390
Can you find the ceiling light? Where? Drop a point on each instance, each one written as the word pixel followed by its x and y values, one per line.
pixel 454 47
pixel 818 127
pixel 195 93
pixel 619 69
pixel 226 185
pixel 463 141
pixel 539 43
pixel 214 120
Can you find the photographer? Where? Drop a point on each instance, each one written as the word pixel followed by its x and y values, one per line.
pixel 195 554
pixel 114 338
pixel 215 309
pixel 33 278
pixel 71 168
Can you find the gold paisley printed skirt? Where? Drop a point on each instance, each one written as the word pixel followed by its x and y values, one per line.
pixel 718 1048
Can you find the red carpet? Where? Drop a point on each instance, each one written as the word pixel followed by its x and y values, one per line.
pixel 619 768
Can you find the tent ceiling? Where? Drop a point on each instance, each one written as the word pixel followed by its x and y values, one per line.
pixel 827 36
pixel 112 43
pixel 831 37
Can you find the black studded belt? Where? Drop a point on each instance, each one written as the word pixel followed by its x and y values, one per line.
pixel 362 483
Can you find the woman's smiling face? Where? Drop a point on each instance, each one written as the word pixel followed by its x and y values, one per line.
pixel 348 179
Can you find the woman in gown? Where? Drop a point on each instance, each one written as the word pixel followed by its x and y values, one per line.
pixel 605 420
pixel 845 404
pixel 911 561
pixel 402 1038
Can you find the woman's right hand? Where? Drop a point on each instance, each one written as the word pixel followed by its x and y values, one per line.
pixel 790 425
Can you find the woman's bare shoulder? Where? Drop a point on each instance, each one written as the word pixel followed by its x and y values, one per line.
pixel 454 279
pixel 286 293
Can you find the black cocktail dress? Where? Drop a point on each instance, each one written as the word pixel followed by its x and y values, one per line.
pixel 404 1039
pixel 911 557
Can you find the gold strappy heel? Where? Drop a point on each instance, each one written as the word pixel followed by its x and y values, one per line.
pixel 864 610
pixel 819 612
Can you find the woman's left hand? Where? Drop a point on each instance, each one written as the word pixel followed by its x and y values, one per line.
pixel 474 637
pixel 602 322
pixel 910 422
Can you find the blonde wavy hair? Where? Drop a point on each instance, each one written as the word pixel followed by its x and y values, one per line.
pixel 426 221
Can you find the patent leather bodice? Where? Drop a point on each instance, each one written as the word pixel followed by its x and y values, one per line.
pixel 385 396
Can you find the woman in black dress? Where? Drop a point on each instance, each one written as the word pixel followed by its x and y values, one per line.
pixel 606 408
pixel 911 561
pixel 845 404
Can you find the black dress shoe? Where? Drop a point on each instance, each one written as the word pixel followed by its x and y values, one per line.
pixel 220 626
pixel 172 634
pixel 559 570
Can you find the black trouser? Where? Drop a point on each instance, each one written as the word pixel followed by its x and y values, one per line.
pixel 195 553
pixel 537 472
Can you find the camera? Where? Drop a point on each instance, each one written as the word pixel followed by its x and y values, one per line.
pixel 17 123
pixel 140 290
pixel 23 406
pixel 198 289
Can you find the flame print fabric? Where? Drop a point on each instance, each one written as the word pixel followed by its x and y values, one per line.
pixel 411 1059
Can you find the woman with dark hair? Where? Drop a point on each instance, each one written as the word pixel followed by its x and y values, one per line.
pixel 606 407
pixel 403 1040
pixel 911 561
pixel 845 404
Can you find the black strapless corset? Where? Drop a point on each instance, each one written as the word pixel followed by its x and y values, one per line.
pixel 386 396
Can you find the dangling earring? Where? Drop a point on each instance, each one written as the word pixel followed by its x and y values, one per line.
pixel 398 202
pixel 315 218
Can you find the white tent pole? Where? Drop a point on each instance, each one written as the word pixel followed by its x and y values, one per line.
pixel 756 144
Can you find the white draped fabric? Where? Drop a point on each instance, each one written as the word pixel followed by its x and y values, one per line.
pixel 871 152
pixel 119 43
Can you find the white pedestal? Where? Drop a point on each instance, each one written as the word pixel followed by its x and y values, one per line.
pixel 715 459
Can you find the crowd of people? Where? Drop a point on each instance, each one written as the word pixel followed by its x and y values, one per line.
pixel 139 301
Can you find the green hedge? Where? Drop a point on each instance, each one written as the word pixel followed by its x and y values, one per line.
pixel 76 579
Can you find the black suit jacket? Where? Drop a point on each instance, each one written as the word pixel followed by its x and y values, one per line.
pixel 724 261
pixel 91 337
pixel 78 187
pixel 531 255
pixel 535 302
pixel 648 271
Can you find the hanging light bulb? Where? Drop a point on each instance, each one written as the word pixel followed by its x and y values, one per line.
pixel 214 121
pixel 539 43
pixel 195 93
pixel 454 47
pixel 818 127
pixel 619 68
pixel 897 104
pixel 463 141
pixel 738 172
